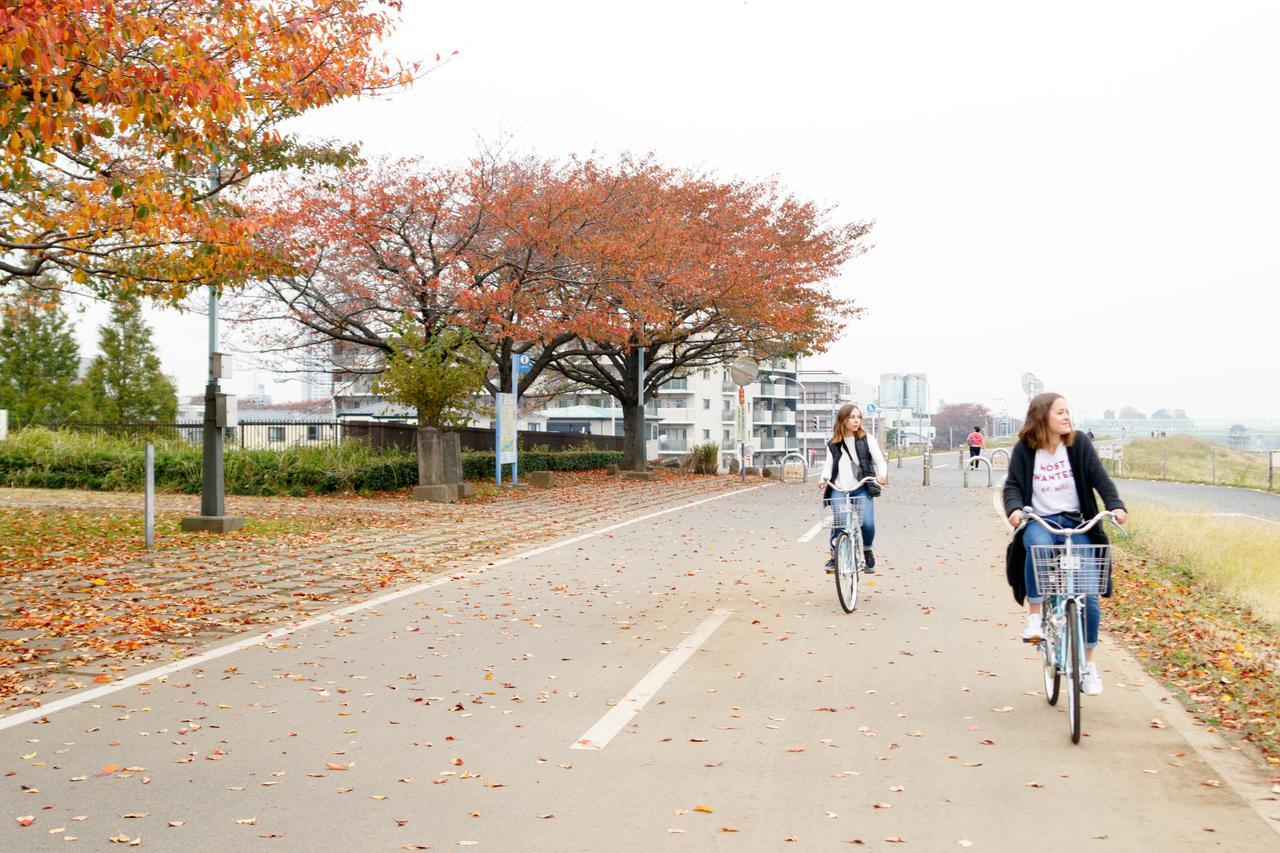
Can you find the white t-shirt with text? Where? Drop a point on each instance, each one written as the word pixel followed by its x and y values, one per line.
pixel 1053 484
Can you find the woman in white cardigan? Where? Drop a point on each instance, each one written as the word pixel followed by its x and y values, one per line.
pixel 852 454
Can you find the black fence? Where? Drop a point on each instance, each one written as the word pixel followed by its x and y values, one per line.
pixel 402 436
pixel 278 435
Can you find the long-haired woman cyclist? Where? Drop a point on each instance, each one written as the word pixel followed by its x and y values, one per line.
pixel 852 454
pixel 1054 470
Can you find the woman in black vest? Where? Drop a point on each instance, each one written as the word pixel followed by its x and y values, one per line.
pixel 852 454
pixel 1054 470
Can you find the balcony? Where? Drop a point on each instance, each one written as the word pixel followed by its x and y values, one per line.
pixel 675 414
pixel 762 416
pixel 673 445
pixel 728 385
pixel 679 384
pixel 784 416
pixel 770 389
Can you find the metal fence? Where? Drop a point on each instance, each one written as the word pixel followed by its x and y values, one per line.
pixel 279 435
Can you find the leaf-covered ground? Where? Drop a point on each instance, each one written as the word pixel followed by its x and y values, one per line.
pixel 81 601
pixel 1218 658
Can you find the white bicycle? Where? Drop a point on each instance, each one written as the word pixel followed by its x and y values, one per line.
pixel 845 514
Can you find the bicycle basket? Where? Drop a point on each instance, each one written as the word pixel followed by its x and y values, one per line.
pixel 843 512
pixel 1082 570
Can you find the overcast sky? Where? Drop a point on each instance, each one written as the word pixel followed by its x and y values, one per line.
pixel 1087 192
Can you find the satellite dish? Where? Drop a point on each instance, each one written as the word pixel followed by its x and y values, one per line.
pixel 744 371
pixel 1031 386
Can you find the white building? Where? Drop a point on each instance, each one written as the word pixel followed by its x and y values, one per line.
pixel 905 391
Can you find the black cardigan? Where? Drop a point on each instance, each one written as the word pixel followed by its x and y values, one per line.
pixel 1089 475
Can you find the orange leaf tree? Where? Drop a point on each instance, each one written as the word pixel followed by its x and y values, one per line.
pixel 487 247
pixel 698 271
pixel 122 121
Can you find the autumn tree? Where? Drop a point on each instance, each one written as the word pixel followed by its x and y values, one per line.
pixel 39 361
pixel 124 382
pixel 122 123
pixel 957 420
pixel 485 247
pixel 697 271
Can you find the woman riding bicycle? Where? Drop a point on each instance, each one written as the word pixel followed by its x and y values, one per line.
pixel 853 454
pixel 1055 470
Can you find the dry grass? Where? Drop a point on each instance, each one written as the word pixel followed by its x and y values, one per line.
pixel 1187 459
pixel 1236 557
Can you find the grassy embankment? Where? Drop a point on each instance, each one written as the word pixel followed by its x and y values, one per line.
pixel 1198 603
pixel 1186 459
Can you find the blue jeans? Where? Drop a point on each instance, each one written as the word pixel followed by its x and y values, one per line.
pixel 866 507
pixel 1037 535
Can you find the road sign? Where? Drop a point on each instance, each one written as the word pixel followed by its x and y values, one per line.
pixel 523 362
pixel 506 406
pixel 872 408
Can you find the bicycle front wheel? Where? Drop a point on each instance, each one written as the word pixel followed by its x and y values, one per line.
pixel 846 573
pixel 1075 667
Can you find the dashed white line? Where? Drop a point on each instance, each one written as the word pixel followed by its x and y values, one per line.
pixel 810 533
pixel 275 634
pixel 599 735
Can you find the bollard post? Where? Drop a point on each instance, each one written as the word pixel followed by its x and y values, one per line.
pixel 1213 464
pixel 1164 463
pixel 149 499
pixel 899 455
pixel 928 463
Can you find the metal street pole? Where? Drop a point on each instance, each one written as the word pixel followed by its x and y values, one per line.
pixel 213 517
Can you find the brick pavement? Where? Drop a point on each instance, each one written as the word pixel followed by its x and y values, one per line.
pixel 61 628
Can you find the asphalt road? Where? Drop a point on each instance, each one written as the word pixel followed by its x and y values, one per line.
pixel 681 683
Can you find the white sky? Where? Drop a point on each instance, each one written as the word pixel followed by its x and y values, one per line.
pixel 1088 192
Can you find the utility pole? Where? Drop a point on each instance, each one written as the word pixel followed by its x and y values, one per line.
pixel 219 412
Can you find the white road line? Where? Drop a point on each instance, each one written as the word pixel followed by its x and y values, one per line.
pixel 810 533
pixel 599 735
pixel 276 633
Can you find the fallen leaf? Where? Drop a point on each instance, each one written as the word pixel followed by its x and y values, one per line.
pixel 704 809
pixel 26 821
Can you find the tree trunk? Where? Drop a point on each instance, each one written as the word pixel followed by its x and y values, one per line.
pixel 633 444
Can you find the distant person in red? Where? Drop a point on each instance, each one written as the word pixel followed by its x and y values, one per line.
pixel 976 442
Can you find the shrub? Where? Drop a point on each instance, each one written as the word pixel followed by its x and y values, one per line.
pixel 702 459
pixel 40 458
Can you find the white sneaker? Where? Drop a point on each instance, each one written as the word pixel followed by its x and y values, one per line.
pixel 1034 632
pixel 1090 681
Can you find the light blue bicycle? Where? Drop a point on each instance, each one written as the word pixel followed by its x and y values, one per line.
pixel 1065 574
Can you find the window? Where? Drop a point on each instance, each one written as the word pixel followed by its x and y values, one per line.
pixel 313 432
pixel 275 435
pixel 706 435
pixel 706 402
pixel 726 436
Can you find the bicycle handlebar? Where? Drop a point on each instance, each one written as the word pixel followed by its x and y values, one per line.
pixel 856 486
pixel 1029 515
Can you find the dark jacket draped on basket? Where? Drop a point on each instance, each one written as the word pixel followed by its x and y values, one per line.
pixel 1089 475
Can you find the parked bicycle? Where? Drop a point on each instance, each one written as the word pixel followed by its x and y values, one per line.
pixel 1065 574
pixel 844 514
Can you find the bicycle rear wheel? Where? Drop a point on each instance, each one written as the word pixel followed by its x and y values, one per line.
pixel 846 573
pixel 1075 667
pixel 1049 645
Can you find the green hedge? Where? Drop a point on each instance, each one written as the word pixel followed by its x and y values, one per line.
pixel 40 458
pixel 477 465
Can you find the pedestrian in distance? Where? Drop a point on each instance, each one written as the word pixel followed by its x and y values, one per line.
pixel 1055 470
pixel 853 454
pixel 976 442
